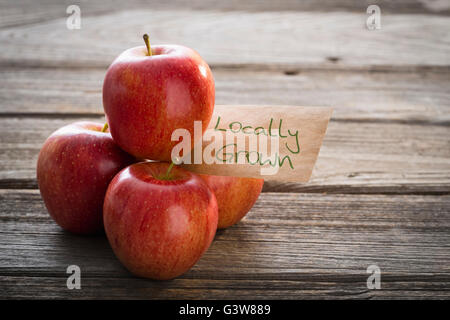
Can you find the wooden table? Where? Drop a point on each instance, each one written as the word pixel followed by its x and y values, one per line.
pixel 380 190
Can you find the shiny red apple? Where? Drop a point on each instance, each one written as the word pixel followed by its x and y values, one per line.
pixel 235 196
pixel 74 168
pixel 146 97
pixel 159 224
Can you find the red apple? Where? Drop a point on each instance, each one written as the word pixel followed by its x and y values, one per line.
pixel 146 97
pixel 159 224
pixel 75 166
pixel 235 196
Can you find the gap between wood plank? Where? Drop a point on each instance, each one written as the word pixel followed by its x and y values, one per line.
pixel 406 189
pixel 96 115
pixel 287 69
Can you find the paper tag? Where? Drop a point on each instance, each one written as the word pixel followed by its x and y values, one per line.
pixel 269 142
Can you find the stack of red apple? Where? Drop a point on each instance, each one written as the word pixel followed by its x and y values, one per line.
pixel 159 218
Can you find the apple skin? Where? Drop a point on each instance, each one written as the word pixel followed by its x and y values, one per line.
pixel 146 98
pixel 74 168
pixel 158 228
pixel 235 196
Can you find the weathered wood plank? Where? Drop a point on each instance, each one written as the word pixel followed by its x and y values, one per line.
pixel 21 12
pixel 289 246
pixel 21 287
pixel 381 96
pixel 294 39
pixel 353 155
pixel 398 101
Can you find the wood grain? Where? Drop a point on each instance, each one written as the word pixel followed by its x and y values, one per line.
pixel 380 192
pixel 293 39
pixel 44 287
pixel 22 12
pixel 362 96
pixel 353 155
pixel 289 246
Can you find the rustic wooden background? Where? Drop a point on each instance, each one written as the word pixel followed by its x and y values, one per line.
pixel 380 192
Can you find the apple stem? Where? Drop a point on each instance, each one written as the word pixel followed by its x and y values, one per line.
pixel 105 127
pixel 147 44
pixel 166 177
